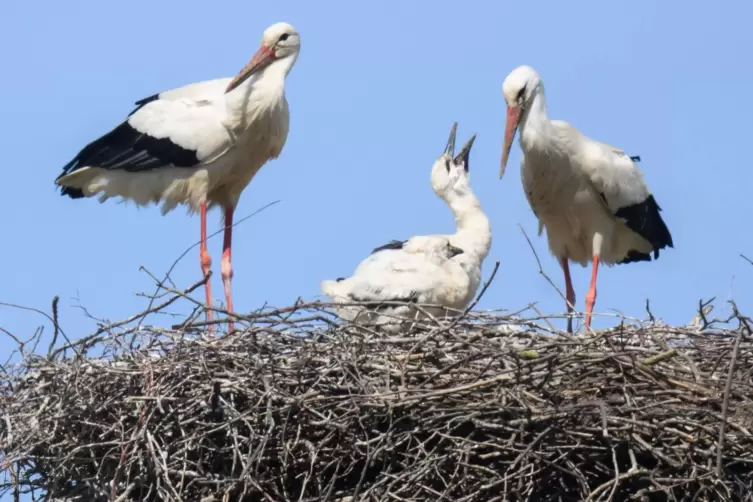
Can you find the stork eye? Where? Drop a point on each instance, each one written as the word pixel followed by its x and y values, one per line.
pixel 284 37
pixel 521 94
pixel 447 164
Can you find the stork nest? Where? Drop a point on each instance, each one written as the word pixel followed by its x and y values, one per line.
pixel 296 405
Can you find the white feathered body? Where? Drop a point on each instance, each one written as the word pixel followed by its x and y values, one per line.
pixel 421 273
pixel 579 188
pixel 232 135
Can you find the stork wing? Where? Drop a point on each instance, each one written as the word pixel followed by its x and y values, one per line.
pixel 393 244
pixel 199 91
pixel 179 132
pixel 618 184
pixel 611 172
pixel 566 128
pixel 397 277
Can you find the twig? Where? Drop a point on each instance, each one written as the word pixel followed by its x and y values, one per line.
pixel 55 325
pixel 548 279
pixel 727 388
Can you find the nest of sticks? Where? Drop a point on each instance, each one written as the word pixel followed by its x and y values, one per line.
pixel 297 405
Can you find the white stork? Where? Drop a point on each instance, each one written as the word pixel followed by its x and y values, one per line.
pixel 432 269
pixel 590 196
pixel 198 145
pixel 419 270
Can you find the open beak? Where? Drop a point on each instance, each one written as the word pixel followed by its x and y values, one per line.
pixel 465 152
pixel 261 60
pixel 511 125
pixel 454 251
pixel 450 148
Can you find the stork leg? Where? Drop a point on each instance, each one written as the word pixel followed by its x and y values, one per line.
pixel 206 263
pixel 570 293
pixel 226 265
pixel 591 296
pixel 598 240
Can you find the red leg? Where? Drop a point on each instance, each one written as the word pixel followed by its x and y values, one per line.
pixel 226 265
pixel 569 294
pixel 591 296
pixel 206 263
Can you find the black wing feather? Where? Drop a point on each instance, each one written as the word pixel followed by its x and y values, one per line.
pixel 644 218
pixel 129 149
pixel 394 244
pixel 144 101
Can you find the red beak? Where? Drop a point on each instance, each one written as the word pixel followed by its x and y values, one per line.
pixel 511 125
pixel 261 60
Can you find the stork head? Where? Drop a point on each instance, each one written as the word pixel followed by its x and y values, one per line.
pixel 518 89
pixel 280 42
pixel 449 175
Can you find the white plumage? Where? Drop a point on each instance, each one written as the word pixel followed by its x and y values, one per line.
pixel 199 145
pixel 590 196
pixel 443 270
pixel 421 270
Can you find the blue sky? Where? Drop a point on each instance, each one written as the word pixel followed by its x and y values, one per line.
pixel 372 97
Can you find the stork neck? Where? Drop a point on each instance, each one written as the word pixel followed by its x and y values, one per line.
pixel 266 87
pixel 474 233
pixel 535 125
pixel 280 68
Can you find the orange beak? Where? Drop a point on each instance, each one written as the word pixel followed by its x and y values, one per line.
pixel 261 60
pixel 511 125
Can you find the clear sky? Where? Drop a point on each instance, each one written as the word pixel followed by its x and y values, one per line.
pixel 372 98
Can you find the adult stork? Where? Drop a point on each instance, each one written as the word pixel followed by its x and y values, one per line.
pixel 590 196
pixel 198 145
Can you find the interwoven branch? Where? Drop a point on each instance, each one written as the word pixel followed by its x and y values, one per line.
pixel 301 406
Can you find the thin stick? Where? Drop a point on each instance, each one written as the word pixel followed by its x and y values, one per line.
pixel 727 388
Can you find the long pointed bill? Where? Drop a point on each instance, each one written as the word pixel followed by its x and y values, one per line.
pixel 464 153
pixel 511 125
pixel 450 148
pixel 261 60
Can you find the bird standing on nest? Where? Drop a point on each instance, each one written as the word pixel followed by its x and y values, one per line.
pixel 198 145
pixel 590 196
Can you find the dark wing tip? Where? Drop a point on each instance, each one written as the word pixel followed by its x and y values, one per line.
pixel 644 218
pixel 394 244
pixel 634 256
pixel 73 193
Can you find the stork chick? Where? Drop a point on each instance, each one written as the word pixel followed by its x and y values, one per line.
pixel 590 196
pixel 198 145
pixel 419 270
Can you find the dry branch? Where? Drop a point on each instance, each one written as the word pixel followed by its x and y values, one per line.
pixel 300 406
